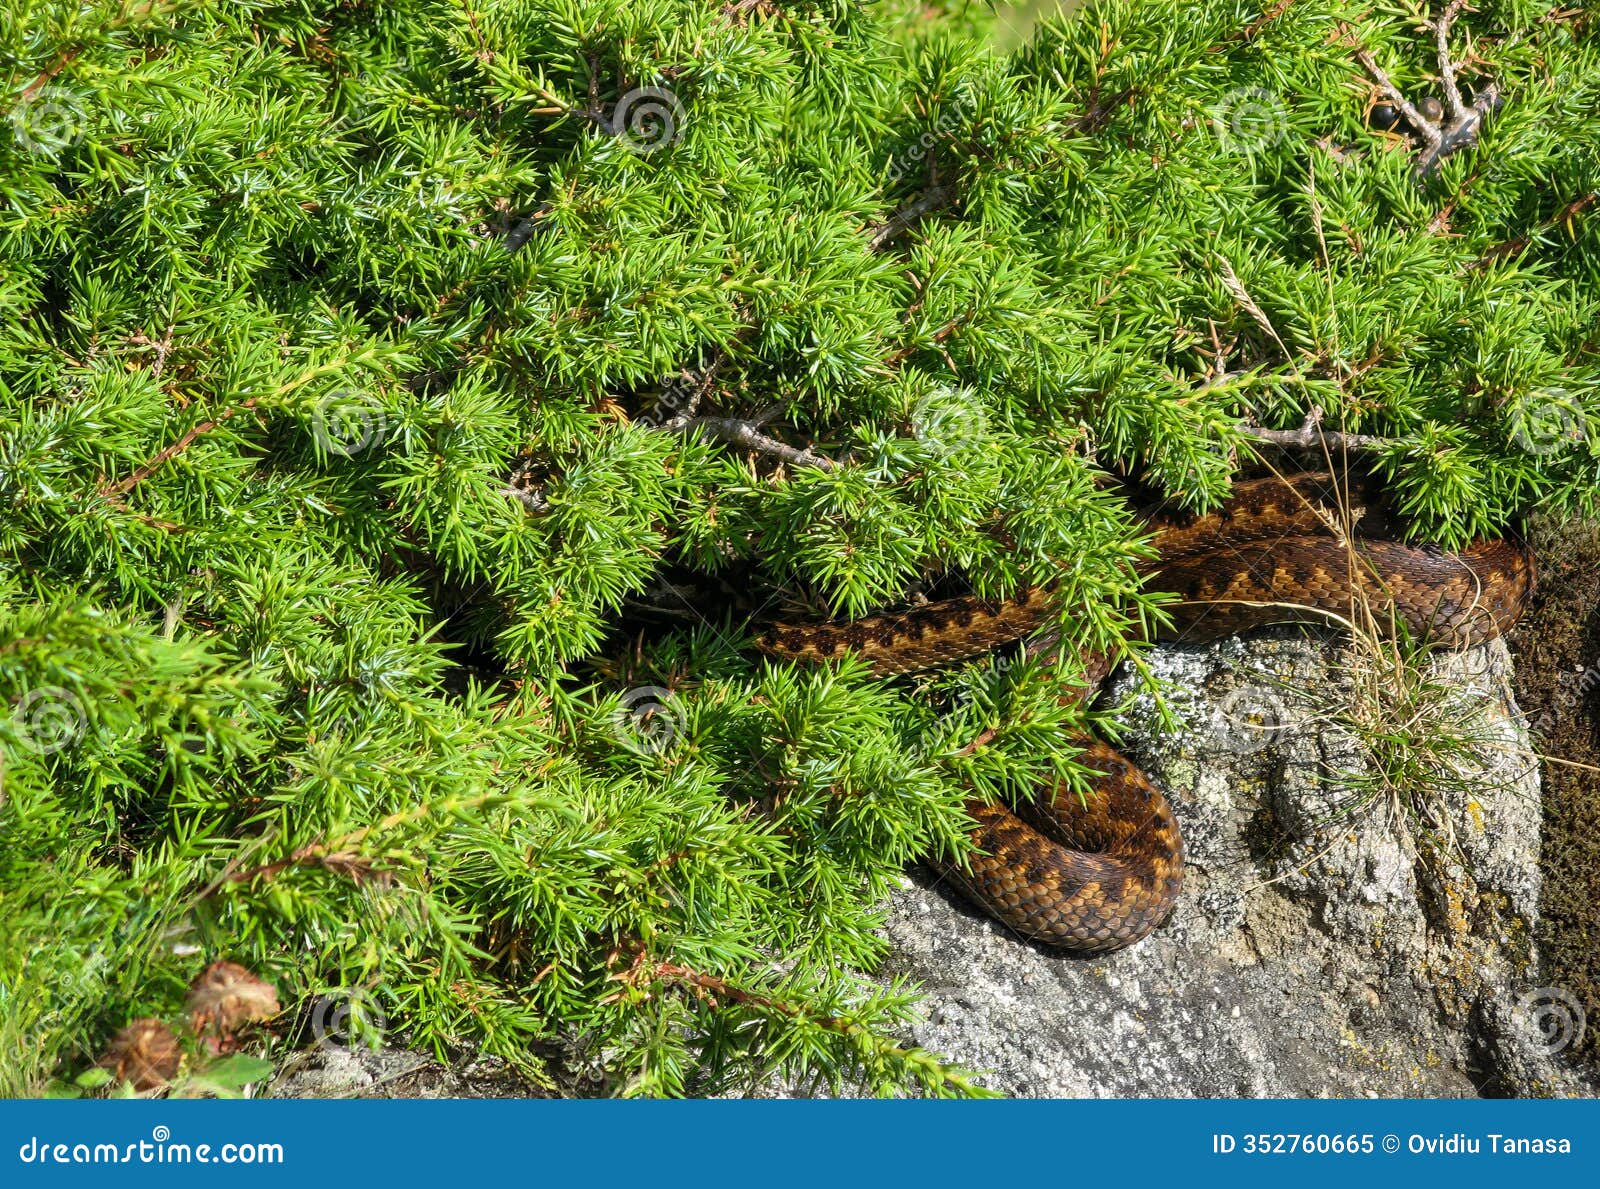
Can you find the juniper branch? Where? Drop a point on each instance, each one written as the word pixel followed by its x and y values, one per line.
pixel 710 985
pixel 1519 243
pixel 117 491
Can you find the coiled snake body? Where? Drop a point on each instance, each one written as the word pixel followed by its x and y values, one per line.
pixel 1095 873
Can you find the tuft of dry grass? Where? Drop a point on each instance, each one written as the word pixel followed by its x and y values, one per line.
pixel 1423 740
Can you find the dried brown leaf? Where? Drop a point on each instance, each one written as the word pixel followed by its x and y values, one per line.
pixel 226 996
pixel 145 1053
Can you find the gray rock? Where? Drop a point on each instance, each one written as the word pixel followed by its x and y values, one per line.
pixel 338 1071
pixel 1333 939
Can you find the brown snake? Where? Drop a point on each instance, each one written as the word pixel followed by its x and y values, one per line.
pixel 1095 873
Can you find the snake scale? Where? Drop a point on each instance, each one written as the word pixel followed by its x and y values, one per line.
pixel 1095 873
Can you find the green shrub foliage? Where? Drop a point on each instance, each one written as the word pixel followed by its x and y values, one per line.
pixel 407 407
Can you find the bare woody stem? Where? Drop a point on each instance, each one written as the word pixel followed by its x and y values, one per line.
pixel 1453 107
pixel 703 385
pixel 1425 127
pixel 1330 438
pixel 535 503
pixel 1311 435
pixel 1460 122
pixel 744 433
pixel 1460 132
pixel 934 198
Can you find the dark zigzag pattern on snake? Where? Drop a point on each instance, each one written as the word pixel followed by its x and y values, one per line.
pixel 1095 873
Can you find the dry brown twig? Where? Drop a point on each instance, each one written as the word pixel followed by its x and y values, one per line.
pixel 116 491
